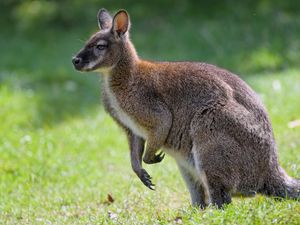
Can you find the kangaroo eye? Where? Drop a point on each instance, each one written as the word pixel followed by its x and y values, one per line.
pixel 101 46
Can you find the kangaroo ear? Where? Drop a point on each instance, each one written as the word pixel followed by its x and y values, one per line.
pixel 104 19
pixel 121 23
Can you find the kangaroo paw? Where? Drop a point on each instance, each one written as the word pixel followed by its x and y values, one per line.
pixel 156 159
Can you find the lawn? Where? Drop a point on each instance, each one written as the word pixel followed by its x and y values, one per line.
pixel 61 155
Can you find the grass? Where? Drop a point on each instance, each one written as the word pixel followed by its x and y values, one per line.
pixel 61 154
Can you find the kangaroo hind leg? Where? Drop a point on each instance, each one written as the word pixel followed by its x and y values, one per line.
pixel 215 193
pixel 194 186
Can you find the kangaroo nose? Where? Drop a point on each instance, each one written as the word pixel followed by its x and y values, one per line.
pixel 76 60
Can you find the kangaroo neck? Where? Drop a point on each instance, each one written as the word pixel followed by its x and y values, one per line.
pixel 125 68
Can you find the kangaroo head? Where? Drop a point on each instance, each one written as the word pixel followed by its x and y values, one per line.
pixel 106 47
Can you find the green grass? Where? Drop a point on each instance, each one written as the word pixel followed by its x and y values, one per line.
pixel 61 154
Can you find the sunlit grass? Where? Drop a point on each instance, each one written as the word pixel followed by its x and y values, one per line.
pixel 61 154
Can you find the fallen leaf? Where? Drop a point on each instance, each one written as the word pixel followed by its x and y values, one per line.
pixel 110 199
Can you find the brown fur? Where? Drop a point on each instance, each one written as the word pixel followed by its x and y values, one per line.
pixel 207 118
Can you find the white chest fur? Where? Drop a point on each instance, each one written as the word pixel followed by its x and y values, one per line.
pixel 122 116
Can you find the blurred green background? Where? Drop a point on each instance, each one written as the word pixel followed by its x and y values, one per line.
pixel 60 154
pixel 38 39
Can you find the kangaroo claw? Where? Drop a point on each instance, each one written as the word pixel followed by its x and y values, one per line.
pixel 146 179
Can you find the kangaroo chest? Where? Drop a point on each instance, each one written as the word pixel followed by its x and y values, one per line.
pixel 120 114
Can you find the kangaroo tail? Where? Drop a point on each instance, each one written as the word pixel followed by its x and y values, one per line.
pixel 282 185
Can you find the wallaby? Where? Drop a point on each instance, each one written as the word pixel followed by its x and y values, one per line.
pixel 207 118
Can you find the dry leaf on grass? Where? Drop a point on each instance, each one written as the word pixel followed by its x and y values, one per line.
pixel 109 200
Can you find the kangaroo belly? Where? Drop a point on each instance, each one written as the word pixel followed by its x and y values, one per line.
pixel 127 121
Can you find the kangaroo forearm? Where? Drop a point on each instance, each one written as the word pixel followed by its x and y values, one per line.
pixel 136 145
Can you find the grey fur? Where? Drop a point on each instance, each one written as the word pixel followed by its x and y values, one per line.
pixel 104 19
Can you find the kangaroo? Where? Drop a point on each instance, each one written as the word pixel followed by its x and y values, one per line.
pixel 207 118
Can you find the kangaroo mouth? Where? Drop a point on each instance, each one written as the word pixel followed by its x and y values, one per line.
pixel 80 65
